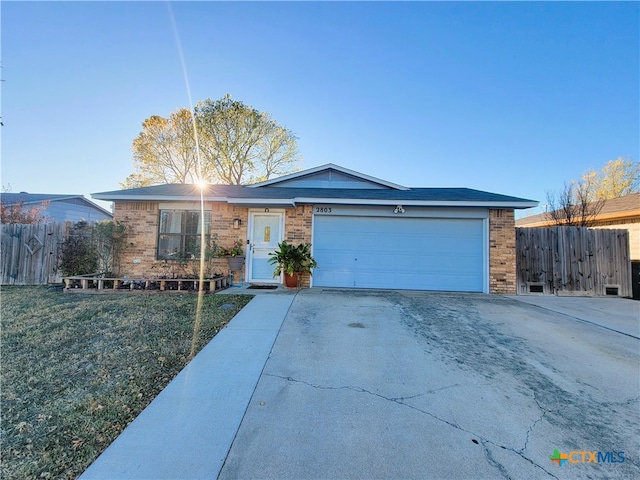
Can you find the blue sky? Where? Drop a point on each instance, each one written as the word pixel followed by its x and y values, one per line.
pixel 513 98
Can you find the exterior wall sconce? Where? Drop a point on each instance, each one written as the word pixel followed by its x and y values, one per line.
pixel 399 209
pixel 236 223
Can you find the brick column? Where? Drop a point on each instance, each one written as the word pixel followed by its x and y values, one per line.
pixel 297 229
pixel 502 251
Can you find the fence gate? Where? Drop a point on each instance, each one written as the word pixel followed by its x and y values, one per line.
pixel 30 253
pixel 573 260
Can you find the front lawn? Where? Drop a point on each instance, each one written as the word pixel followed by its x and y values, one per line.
pixel 77 369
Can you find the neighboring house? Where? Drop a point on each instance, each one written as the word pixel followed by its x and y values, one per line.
pixel 59 208
pixel 365 232
pixel 620 213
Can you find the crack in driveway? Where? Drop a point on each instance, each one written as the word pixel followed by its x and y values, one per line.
pixel 401 401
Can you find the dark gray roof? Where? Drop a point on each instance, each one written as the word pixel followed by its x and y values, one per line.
pixel 237 194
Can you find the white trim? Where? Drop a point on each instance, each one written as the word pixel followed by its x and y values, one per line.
pixel 284 202
pixel 417 203
pixel 182 206
pixel 329 166
pixel 313 236
pixel 249 254
pixel 389 211
pixel 312 200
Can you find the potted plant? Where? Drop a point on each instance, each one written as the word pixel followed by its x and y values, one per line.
pixel 292 261
pixel 235 255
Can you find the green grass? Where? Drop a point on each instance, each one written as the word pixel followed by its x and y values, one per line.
pixel 77 369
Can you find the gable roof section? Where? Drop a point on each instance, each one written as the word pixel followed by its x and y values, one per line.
pixel 292 196
pixel 328 176
pixel 621 208
pixel 38 198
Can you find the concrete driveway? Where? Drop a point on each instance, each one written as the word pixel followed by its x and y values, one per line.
pixel 370 384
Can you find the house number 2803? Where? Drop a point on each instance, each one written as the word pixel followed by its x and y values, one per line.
pixel 323 209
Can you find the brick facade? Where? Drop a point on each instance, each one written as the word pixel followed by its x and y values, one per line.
pixel 297 229
pixel 502 251
pixel 143 217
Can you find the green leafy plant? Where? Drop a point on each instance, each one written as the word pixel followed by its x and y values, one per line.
pixel 78 254
pixel 110 240
pixel 191 265
pixel 292 259
pixel 93 248
pixel 236 250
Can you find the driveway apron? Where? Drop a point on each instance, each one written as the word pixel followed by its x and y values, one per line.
pixel 372 384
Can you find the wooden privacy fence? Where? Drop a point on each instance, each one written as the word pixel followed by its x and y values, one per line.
pixel 573 260
pixel 29 254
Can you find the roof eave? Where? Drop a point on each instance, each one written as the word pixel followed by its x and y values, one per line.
pixel 42 200
pixel 418 203
pixel 271 202
pixel 155 198
pixel 292 202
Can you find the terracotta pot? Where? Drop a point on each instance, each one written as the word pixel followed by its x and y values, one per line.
pixel 291 281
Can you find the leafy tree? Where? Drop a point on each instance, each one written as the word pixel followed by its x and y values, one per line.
pixel 617 178
pixel 241 144
pixel 165 151
pixel 238 144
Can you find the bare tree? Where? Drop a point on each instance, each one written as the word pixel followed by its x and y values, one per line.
pixel 572 206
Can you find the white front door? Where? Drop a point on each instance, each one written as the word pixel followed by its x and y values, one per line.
pixel 265 232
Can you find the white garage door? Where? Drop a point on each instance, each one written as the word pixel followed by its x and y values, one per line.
pixel 399 253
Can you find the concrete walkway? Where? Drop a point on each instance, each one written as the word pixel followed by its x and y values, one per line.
pixel 187 431
pixel 616 314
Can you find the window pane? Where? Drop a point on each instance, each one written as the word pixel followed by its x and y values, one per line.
pixel 179 233
pixel 169 246
pixel 192 223
pixel 170 221
pixel 192 245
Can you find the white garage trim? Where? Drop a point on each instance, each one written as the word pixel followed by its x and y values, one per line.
pixel 421 249
pixel 390 211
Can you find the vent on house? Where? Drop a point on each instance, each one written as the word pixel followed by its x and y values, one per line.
pixel 535 287
pixel 611 291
